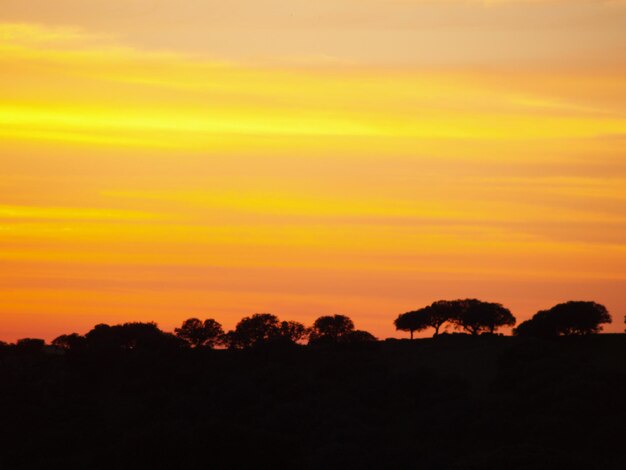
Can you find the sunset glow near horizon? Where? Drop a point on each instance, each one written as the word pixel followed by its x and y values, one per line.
pixel 164 159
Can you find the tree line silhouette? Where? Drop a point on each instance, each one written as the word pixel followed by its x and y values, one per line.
pixel 255 331
pixel 272 393
pixel 469 316
pixel 477 317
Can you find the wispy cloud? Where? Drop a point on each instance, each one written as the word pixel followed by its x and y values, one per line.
pixel 168 100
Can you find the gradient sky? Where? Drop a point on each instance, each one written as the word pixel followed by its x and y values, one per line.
pixel 164 159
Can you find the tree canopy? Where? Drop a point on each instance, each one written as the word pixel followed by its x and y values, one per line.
pixel 331 328
pixel 30 345
pixel 129 337
pixel 476 316
pixel 471 315
pixel 262 329
pixel 72 341
pixel 569 318
pixel 413 321
pixel 293 331
pixel 335 329
pixel 254 330
pixel 197 333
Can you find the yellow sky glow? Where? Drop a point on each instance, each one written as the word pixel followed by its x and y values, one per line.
pixel 148 181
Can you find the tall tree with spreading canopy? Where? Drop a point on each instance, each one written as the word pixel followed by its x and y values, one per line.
pixel 440 312
pixel 413 321
pixel 474 316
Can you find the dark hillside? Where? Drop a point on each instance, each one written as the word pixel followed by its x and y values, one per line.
pixel 454 402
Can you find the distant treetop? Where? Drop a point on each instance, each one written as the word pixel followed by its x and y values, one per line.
pixel 471 315
pixel 207 333
pixel 337 329
pixel 565 319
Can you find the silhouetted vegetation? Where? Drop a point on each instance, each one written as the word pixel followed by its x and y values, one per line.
pixel 133 396
pixel 471 315
pixel 570 318
pixel 477 317
pixel 207 333
pixel 264 328
pixel 73 341
pixel 30 345
pixel 337 329
pixel 129 337
pixel 293 331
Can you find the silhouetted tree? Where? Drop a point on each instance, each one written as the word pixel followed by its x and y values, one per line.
pixel 440 312
pixel 581 318
pixel 433 316
pixel 559 406
pixel 30 345
pixel 331 328
pixel 207 333
pixel 476 316
pixel 569 318
pixel 253 331
pixel 337 329
pixel 542 325
pixel 72 341
pixel 359 336
pixel 293 331
pixel 416 320
pixel 103 336
pixel 130 336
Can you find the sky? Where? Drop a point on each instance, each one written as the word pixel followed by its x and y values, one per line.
pixel 163 159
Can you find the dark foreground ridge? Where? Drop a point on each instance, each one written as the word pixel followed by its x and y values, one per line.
pixel 452 402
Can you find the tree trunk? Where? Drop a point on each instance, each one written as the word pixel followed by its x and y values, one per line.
pixel 411 334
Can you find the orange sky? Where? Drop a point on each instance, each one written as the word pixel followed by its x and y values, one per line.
pixel 161 160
